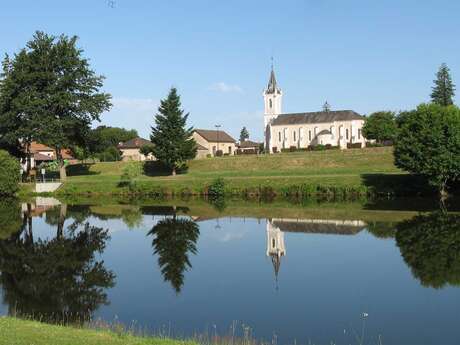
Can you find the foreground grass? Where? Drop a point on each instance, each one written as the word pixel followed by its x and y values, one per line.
pixel 358 170
pixel 20 332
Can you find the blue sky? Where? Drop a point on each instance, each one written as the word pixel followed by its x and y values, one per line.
pixel 360 55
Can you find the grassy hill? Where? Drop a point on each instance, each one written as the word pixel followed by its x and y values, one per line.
pixel 354 170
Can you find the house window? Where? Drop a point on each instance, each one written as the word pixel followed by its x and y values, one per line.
pixel 316 131
pixel 346 133
pixel 214 150
pixel 279 136
pixel 230 150
pixel 294 135
pixel 359 133
pixel 309 135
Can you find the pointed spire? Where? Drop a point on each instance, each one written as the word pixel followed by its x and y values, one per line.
pixel 326 107
pixel 272 86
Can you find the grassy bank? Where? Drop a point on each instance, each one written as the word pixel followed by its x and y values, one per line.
pixel 20 332
pixel 347 172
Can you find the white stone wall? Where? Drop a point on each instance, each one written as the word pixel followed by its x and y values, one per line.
pixel 304 135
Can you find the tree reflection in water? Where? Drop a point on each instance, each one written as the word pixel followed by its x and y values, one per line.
pixel 430 245
pixel 58 279
pixel 174 239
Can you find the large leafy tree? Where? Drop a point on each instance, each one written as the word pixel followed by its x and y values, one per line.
pixel 173 239
pixel 430 245
pixel 172 141
pixel 9 174
pixel 380 126
pixel 58 279
pixel 443 89
pixel 50 94
pixel 103 137
pixel 428 144
pixel 244 134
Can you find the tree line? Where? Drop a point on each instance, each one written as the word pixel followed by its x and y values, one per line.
pixel 427 139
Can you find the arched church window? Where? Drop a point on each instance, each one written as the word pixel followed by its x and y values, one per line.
pixel 279 136
pixel 273 243
pixel 346 131
pixel 309 135
pixel 294 135
pixel 270 102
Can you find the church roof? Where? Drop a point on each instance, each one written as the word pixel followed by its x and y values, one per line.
pixel 315 228
pixel 316 117
pixel 272 85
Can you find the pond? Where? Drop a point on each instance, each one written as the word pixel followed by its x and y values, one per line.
pixel 314 273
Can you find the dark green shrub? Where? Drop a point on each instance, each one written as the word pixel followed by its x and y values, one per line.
pixel 10 170
pixel 217 188
pixel 319 147
pixel 111 154
pixel 354 145
pixel 219 153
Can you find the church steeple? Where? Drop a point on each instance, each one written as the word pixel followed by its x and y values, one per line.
pixel 275 247
pixel 272 86
pixel 273 97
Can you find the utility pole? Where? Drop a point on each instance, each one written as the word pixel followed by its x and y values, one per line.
pixel 217 127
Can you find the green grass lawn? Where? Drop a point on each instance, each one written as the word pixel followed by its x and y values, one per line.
pixel 20 332
pixel 354 168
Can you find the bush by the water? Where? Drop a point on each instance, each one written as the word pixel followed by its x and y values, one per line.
pixel 217 188
pixel 9 174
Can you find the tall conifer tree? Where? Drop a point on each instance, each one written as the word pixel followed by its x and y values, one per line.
pixel 444 89
pixel 172 141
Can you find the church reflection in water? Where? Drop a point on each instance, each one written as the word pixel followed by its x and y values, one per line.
pixel 276 227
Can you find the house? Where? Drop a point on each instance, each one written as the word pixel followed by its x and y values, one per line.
pixel 214 141
pixel 131 150
pixel 248 147
pixel 342 128
pixel 40 153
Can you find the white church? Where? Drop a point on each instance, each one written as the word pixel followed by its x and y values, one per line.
pixel 301 130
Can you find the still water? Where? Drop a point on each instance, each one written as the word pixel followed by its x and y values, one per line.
pixel 317 273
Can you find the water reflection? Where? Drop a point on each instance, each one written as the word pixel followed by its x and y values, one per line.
pixel 56 279
pixel 430 245
pixel 51 265
pixel 276 228
pixel 174 238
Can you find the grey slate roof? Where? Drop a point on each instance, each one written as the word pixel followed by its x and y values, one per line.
pixel 248 143
pixel 316 117
pixel 215 136
pixel 135 143
pixel 272 86
pixel 318 228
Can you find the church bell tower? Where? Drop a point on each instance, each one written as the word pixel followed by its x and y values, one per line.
pixel 273 97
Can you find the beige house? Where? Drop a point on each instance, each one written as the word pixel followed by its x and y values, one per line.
pixel 130 150
pixel 212 141
pixel 40 153
pixel 302 130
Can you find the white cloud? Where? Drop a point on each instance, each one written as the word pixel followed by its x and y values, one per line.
pixel 226 88
pixel 131 113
